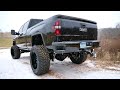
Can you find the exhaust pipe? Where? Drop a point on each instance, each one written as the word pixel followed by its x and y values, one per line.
pixel 94 54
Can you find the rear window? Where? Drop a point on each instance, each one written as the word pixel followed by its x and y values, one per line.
pixel 34 21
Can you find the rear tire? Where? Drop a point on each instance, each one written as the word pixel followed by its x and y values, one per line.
pixel 15 52
pixel 78 58
pixel 39 59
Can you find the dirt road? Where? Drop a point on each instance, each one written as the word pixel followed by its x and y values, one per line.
pixel 21 69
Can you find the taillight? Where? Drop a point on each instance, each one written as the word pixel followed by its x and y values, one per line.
pixel 57 32
pixel 57 28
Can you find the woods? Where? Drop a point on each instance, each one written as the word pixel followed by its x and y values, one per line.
pixel 110 43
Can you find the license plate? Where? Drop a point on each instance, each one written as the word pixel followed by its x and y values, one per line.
pixel 83 45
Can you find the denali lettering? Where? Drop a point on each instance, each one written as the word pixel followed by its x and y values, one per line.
pixel 83 29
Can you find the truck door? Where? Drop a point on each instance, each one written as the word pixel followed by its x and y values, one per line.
pixel 21 40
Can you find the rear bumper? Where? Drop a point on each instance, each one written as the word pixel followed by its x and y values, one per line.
pixel 74 46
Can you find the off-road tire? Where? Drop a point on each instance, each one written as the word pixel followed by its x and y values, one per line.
pixel 79 57
pixel 15 52
pixel 39 60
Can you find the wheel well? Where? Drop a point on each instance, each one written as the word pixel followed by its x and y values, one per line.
pixel 37 40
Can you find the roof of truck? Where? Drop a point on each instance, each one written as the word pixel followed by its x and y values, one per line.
pixel 74 18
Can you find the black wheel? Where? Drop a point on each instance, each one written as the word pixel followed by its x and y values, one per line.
pixel 39 60
pixel 78 58
pixel 60 57
pixel 15 52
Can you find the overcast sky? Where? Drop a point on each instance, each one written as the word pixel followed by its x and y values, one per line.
pixel 14 19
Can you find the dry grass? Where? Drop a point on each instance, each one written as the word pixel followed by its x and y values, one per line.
pixel 109 50
pixel 5 42
pixel 110 46
pixel 5 39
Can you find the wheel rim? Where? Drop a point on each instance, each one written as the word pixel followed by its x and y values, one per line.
pixel 12 52
pixel 34 60
pixel 76 56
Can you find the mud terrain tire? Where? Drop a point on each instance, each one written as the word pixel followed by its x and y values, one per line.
pixel 15 52
pixel 39 59
pixel 78 58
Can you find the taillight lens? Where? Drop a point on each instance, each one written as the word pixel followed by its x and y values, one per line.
pixel 57 32
pixel 57 28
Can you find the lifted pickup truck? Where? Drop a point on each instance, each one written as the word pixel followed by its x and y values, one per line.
pixel 59 36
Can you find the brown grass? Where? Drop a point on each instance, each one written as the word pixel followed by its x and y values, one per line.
pixel 5 39
pixel 5 42
pixel 109 50
pixel 110 46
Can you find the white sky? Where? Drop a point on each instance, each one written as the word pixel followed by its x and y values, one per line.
pixel 14 19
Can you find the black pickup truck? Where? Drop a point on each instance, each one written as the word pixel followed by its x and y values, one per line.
pixel 59 36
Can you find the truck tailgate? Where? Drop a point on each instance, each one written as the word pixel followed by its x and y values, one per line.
pixel 73 29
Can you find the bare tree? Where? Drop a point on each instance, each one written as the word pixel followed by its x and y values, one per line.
pixel 118 25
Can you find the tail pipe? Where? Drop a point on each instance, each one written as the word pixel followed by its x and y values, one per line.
pixel 92 53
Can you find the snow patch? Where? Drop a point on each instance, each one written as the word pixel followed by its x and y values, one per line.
pixel 90 63
pixel 21 69
pixel 114 68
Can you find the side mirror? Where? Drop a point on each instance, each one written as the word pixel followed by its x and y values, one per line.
pixel 14 33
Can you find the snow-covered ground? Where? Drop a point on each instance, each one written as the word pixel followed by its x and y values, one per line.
pixel 21 69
